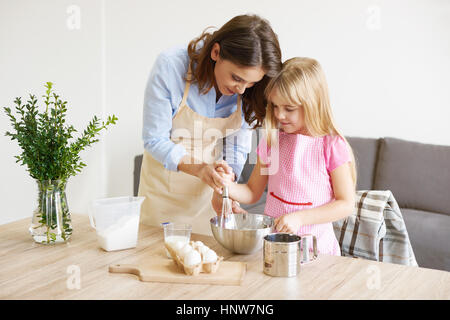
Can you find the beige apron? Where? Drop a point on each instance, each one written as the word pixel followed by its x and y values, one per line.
pixel 177 196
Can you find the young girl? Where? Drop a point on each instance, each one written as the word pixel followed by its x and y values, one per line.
pixel 311 168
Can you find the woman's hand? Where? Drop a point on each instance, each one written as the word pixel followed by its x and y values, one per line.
pixel 216 200
pixel 289 223
pixel 227 177
pixel 211 175
pixel 208 173
pixel 216 203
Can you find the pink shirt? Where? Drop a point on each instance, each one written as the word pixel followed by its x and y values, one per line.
pixel 300 179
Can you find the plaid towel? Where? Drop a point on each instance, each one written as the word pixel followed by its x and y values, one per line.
pixel 376 230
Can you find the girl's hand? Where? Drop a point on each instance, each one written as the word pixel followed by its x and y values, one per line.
pixel 289 223
pixel 210 174
pixel 237 208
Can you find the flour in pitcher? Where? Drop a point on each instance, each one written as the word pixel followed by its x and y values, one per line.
pixel 121 235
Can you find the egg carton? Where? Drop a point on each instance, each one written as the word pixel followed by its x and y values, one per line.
pixel 205 267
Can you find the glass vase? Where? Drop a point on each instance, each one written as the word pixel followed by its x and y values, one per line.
pixel 51 221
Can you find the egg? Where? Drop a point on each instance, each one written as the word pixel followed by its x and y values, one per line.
pixel 210 256
pixel 177 245
pixel 192 258
pixel 185 250
pixel 198 244
pixel 203 250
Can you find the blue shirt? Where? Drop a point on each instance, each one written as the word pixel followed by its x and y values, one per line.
pixel 163 95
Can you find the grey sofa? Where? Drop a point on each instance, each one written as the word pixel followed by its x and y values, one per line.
pixel 417 174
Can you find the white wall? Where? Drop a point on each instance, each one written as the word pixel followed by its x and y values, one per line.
pixel 36 46
pixel 387 63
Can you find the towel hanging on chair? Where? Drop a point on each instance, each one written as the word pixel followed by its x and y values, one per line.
pixel 376 230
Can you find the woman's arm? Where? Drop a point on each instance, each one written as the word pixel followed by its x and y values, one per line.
pixel 341 207
pixel 158 111
pixel 252 191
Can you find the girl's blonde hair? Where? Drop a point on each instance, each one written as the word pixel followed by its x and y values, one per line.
pixel 302 82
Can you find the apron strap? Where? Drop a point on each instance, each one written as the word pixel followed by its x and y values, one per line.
pixel 188 84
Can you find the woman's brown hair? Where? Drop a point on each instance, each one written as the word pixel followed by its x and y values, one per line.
pixel 245 40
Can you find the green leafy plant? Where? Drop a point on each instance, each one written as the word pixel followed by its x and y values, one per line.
pixel 45 139
pixel 52 155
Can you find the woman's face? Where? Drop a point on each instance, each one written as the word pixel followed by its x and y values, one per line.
pixel 291 118
pixel 232 78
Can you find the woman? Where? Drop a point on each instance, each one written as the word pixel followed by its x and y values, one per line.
pixel 199 102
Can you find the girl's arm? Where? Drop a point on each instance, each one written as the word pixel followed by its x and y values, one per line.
pixel 341 207
pixel 251 192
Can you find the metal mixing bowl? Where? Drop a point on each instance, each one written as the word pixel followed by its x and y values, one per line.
pixel 248 237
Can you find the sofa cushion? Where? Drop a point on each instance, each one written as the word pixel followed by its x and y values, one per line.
pixel 365 151
pixel 417 174
pixel 257 207
pixel 251 158
pixel 248 168
pixel 429 234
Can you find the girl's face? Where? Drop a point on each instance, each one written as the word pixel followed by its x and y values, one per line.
pixel 231 78
pixel 290 117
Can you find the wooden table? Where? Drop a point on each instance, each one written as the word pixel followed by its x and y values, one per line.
pixel 33 271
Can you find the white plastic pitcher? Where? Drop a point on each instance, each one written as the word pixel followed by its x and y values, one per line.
pixel 116 221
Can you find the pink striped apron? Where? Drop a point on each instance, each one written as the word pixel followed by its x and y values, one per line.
pixel 302 182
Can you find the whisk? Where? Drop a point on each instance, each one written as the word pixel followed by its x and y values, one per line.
pixel 227 220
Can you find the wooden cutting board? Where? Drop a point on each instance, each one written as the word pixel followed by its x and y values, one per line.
pixel 161 269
